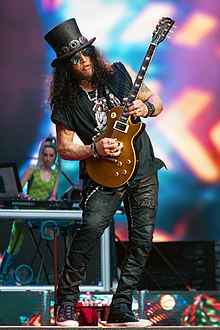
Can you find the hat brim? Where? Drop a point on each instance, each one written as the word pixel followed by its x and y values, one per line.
pixel 63 57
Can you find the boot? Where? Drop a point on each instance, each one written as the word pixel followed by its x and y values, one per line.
pixel 7 262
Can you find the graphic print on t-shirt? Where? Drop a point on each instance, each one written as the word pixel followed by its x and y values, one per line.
pixel 101 109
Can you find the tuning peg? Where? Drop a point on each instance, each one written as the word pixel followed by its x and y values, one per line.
pixel 174 26
pixel 168 37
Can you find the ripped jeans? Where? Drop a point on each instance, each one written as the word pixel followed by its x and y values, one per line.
pixel 99 206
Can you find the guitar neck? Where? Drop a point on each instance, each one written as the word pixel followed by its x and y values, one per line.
pixel 139 79
pixel 159 34
pixel 142 73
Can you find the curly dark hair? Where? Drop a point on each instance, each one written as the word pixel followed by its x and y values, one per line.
pixel 65 89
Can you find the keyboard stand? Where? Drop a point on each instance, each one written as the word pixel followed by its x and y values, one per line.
pixel 73 215
pixel 41 255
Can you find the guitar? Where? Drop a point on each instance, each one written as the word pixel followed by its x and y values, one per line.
pixel 116 171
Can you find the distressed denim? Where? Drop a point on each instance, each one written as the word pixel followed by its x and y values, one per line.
pixel 99 206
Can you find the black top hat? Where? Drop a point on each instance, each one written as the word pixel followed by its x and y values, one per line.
pixel 66 39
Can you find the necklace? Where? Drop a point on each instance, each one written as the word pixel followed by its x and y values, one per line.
pixel 92 99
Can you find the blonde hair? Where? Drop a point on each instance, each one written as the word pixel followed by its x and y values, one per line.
pixel 46 144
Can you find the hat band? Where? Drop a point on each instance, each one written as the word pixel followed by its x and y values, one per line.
pixel 73 44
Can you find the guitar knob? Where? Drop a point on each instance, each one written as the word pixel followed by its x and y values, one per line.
pixel 124 172
pixel 116 174
pixel 128 161
pixel 119 163
pixel 113 115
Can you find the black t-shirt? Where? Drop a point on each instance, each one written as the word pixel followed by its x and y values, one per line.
pixel 88 118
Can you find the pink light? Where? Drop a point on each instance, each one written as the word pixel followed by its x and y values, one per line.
pixel 176 127
pixel 196 28
pixel 51 5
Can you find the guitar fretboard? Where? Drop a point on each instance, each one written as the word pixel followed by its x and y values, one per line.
pixel 139 80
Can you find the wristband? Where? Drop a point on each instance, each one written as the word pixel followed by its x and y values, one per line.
pixel 150 108
pixel 94 151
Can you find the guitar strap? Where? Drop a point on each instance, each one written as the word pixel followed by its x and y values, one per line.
pixel 107 97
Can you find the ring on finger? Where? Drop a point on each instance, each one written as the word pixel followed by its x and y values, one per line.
pixel 137 110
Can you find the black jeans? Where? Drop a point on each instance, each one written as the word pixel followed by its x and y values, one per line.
pixel 99 206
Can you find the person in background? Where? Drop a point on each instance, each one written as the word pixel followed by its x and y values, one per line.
pixel 81 81
pixel 42 184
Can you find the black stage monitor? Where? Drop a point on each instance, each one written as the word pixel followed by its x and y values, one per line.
pixel 10 185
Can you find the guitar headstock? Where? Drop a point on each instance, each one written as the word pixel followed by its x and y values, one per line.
pixel 162 29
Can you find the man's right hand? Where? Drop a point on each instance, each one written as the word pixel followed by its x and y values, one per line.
pixel 109 147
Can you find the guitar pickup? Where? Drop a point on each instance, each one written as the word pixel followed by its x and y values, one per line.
pixel 122 127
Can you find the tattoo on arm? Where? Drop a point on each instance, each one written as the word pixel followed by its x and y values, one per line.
pixel 144 89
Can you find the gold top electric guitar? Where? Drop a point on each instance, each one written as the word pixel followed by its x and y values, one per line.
pixel 115 171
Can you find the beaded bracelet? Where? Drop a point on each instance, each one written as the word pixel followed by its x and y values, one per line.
pixel 150 108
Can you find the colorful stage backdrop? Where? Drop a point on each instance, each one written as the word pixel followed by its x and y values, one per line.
pixel 184 71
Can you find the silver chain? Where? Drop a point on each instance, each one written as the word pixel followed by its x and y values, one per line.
pixel 92 99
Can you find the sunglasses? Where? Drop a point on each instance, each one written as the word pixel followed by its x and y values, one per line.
pixel 85 52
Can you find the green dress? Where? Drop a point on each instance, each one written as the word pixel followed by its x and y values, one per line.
pixel 37 189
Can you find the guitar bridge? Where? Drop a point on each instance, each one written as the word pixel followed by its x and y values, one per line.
pixel 122 127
